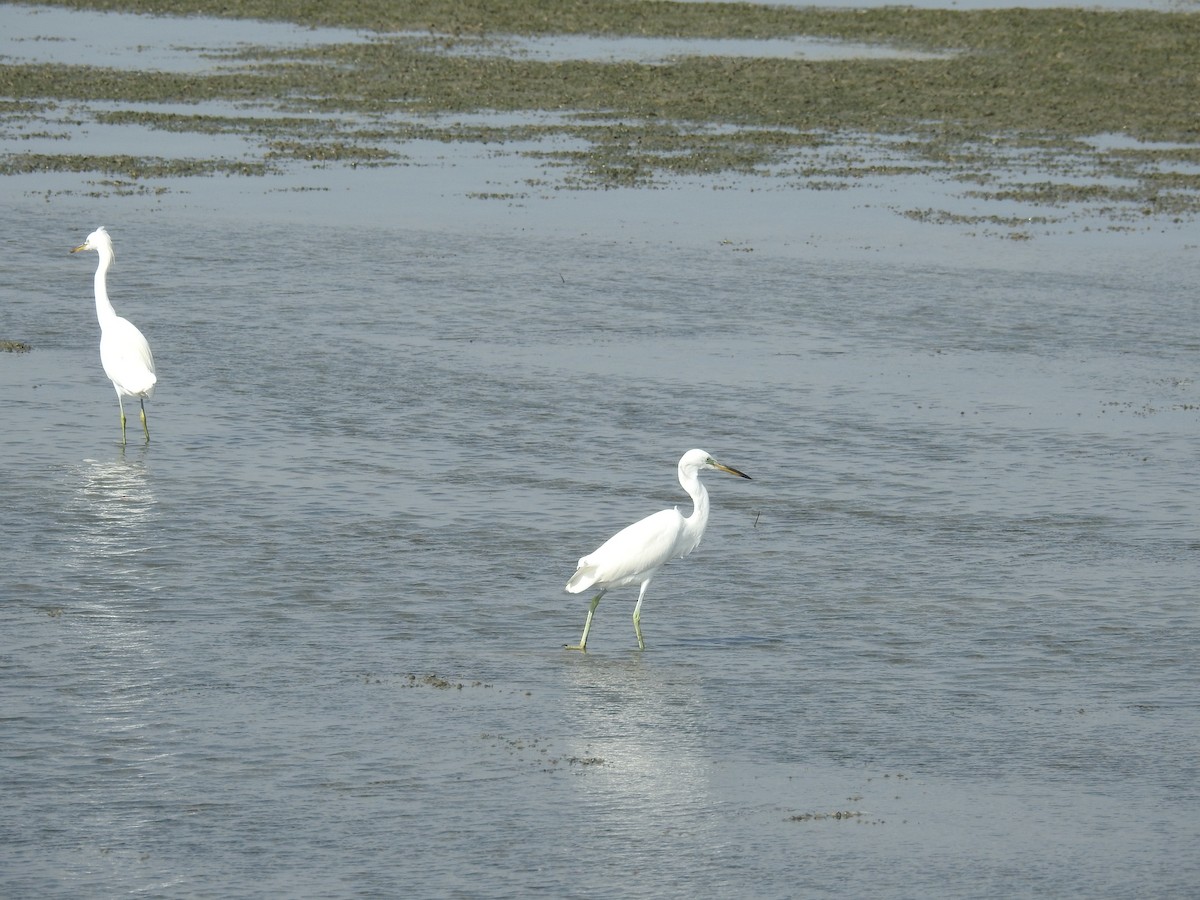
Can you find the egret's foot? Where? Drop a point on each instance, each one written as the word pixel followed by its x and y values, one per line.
pixel 145 426
pixel 122 429
pixel 587 626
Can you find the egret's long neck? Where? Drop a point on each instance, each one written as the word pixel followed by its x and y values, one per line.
pixel 104 307
pixel 699 518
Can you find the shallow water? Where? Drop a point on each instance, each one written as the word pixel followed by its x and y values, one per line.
pixel 957 601
pixel 46 34
pixel 608 48
pixel 308 641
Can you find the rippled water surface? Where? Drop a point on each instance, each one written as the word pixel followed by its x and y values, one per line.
pixel 308 641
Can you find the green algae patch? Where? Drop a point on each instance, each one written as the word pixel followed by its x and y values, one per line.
pixel 1012 88
pixel 132 167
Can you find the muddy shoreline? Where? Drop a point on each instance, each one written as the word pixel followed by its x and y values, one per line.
pixel 1013 90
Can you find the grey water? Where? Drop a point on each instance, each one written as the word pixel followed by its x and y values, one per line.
pixel 957 601
pixel 308 640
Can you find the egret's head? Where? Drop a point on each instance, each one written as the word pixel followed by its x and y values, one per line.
pixel 695 460
pixel 98 240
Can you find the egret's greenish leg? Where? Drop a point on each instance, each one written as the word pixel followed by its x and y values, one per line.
pixel 587 625
pixel 145 425
pixel 637 616
pixel 121 407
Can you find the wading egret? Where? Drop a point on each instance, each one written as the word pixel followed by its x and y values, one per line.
pixel 124 351
pixel 635 554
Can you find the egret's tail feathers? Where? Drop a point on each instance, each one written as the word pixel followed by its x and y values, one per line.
pixel 142 386
pixel 584 578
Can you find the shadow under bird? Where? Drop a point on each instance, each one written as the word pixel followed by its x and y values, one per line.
pixel 124 351
pixel 635 554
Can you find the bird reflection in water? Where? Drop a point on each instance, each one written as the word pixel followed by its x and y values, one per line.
pixel 113 513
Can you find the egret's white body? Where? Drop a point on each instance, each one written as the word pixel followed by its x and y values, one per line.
pixel 635 554
pixel 124 351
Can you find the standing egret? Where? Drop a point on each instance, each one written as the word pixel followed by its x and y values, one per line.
pixel 124 351
pixel 635 554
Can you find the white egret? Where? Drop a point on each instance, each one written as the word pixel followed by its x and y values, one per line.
pixel 635 554
pixel 124 351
